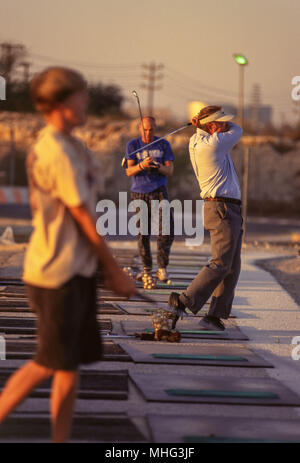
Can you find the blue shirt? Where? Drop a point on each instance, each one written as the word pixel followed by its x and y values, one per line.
pixel 212 162
pixel 144 182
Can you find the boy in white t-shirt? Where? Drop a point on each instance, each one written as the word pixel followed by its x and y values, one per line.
pixel 64 251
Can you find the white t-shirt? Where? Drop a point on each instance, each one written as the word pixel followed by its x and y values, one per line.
pixel 62 173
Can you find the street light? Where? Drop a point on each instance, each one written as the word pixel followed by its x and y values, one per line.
pixel 242 61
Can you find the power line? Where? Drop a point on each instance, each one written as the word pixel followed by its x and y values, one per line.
pixel 199 91
pixel 80 64
pixel 197 83
pixel 185 77
pixel 151 77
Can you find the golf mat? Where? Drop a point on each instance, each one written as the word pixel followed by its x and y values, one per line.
pixel 24 349
pixel 160 296
pixel 7 309
pixel 86 428
pixel 14 302
pixel 109 309
pixel 11 281
pixel 13 290
pixel 101 385
pixel 218 390
pixel 139 308
pixel 187 330
pixel 146 308
pixel 175 270
pixel 181 285
pixel 204 429
pixel 194 354
pixel 27 325
pixel 194 265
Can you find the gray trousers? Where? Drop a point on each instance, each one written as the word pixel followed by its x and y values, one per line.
pixel 219 278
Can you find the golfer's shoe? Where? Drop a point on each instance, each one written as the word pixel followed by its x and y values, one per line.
pixel 178 308
pixel 144 272
pixel 211 324
pixel 162 274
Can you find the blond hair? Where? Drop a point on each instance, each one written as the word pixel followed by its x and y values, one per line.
pixel 54 85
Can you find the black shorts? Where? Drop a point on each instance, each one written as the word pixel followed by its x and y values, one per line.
pixel 68 332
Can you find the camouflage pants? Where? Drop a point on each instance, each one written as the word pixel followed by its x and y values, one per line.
pixel 164 242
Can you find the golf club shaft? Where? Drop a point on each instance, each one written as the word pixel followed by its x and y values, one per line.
pixel 140 111
pixel 161 138
pixel 146 298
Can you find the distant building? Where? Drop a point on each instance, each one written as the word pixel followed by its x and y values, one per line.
pixel 264 113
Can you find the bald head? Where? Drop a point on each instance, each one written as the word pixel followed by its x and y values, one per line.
pixel 147 128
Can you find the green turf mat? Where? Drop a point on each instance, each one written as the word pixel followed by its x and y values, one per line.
pixel 224 393
pixel 227 440
pixel 223 358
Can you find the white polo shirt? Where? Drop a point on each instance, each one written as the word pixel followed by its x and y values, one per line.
pixel 62 173
pixel 212 162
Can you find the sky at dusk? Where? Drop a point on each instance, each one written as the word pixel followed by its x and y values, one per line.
pixel 195 40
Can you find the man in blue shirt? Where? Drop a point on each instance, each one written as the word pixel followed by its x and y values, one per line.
pixel 219 188
pixel 150 169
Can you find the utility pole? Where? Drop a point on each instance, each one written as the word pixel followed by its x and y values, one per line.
pixel 12 157
pixel 26 71
pixel 10 54
pixel 151 78
pixel 245 188
pixel 256 102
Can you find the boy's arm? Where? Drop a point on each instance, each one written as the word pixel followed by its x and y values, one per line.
pixel 114 277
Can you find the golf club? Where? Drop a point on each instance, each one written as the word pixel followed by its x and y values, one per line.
pixel 134 93
pixel 146 298
pixel 164 136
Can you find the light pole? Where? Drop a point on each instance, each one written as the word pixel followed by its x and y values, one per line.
pixel 242 61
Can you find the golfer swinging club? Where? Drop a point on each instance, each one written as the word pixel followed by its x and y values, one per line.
pixel 210 156
pixel 150 169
